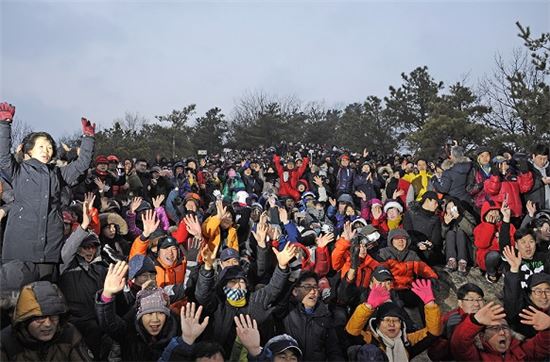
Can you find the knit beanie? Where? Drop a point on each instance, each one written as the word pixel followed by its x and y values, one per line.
pixel 150 301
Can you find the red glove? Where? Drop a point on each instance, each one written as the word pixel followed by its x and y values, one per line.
pixel 423 288
pixel 88 129
pixel 7 111
pixel 378 295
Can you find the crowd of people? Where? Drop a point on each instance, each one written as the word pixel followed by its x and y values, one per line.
pixel 295 252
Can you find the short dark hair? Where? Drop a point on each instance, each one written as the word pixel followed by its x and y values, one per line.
pixel 306 274
pixel 541 149
pixel 206 349
pixel 467 288
pixel 30 140
pixel 520 233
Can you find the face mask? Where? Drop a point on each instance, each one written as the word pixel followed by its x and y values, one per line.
pixel 234 294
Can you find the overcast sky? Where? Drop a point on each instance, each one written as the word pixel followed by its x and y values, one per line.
pixel 64 59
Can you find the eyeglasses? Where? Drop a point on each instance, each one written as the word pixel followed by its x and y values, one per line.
pixel 497 329
pixel 42 319
pixel 479 300
pixel 541 292
pixel 391 320
pixel 309 288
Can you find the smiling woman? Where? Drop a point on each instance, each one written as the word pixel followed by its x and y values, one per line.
pixel 34 230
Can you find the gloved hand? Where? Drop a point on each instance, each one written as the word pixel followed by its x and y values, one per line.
pixel 355 260
pixel 423 288
pixel 378 295
pixel 88 129
pixel 495 170
pixel 523 166
pixel 7 111
pixel 452 322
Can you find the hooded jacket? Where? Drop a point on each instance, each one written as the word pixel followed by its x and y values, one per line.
pixel 464 348
pixel 36 300
pixel 289 187
pixel 341 261
pixel 510 185
pixel 454 179
pixel 485 235
pixel 405 265
pixel 34 229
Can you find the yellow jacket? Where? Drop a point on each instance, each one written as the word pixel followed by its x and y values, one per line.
pixel 362 314
pixel 211 233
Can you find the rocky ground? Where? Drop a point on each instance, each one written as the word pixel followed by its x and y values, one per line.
pixel 445 292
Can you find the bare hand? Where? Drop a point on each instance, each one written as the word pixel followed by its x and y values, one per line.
pixel 209 256
pixel 348 232
pixel 191 328
pixel 323 240
pixel 317 180
pixel 284 257
pixel 397 194
pixel 491 314
pixel 283 215
pixel 150 222
pixel 536 318
pixel 260 235
pixel 361 195
pixel 220 209
pixel 332 202
pixel 100 184
pixel 157 201
pixel 248 333
pixel 512 259
pixel 115 279
pixel 136 202
pixel 193 225
pixel 505 210
pixel 531 208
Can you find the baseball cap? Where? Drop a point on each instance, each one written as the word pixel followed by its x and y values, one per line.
pixel 281 343
pixel 167 242
pixel 229 253
pixel 382 274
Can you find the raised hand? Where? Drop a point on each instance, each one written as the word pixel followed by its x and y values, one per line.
pixel 284 256
pixel 7 111
pixel 260 235
pixel 491 314
pixel 531 208
pixel 360 194
pixel 150 222
pixel 283 215
pixel 193 225
pixel 423 288
pixel 397 194
pixel 115 279
pixel 248 333
pixel 505 210
pixel 85 215
pixel 324 240
pixel 136 202
pixel 332 202
pixel 317 180
pixel 100 184
pixel 378 295
pixel 220 209
pixel 88 129
pixel 512 259
pixel 157 201
pixel 348 232
pixel 209 256
pixel 533 317
pixel 191 328
pixel 193 248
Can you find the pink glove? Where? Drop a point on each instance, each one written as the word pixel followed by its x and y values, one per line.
pixel 7 111
pixel 423 288
pixel 88 129
pixel 377 296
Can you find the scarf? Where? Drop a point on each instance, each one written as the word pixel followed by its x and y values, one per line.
pixel 395 348
pixel 235 297
pixel 394 224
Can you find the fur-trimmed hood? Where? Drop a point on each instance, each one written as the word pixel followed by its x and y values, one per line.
pixel 448 163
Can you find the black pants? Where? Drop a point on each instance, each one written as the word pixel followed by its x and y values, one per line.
pixel 456 245
pixel 493 261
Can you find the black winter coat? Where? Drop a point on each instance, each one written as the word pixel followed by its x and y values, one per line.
pixel 221 327
pixel 314 333
pixel 34 230
pixel 537 192
pixel 454 180
pixel 424 225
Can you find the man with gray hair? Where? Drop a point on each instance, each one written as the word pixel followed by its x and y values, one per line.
pixel 454 178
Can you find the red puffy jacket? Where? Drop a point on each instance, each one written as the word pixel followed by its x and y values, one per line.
pixel 463 346
pixel 498 187
pixel 486 235
pixel 290 186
